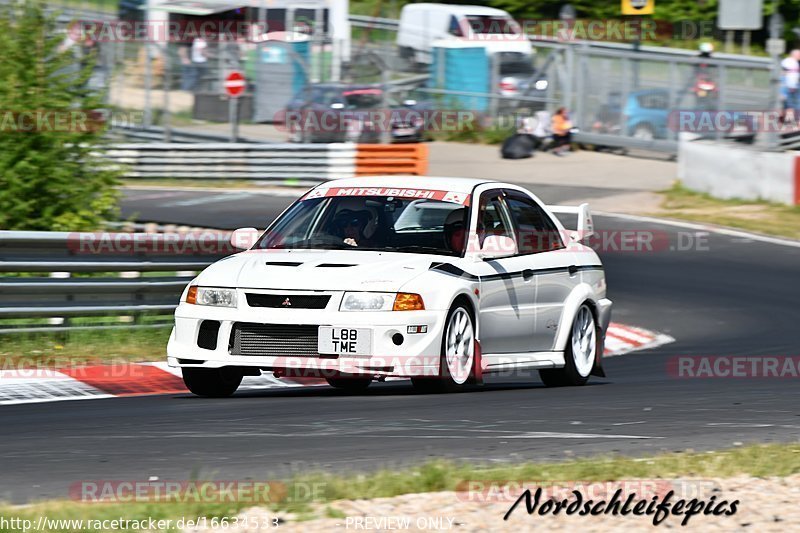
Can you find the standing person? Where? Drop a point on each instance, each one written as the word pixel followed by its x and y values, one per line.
pixel 791 82
pixel 187 70
pixel 561 131
pixel 199 56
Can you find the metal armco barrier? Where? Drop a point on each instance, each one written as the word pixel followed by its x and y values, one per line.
pixel 235 161
pixel 46 273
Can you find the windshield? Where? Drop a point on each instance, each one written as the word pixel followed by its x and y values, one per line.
pixel 509 68
pixel 376 223
pixel 363 98
pixel 492 25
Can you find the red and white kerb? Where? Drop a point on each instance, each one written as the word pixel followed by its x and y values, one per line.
pixel 390 192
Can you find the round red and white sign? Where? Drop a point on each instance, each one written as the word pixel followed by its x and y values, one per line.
pixel 235 84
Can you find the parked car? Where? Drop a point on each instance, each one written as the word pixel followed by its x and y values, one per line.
pixel 331 112
pixel 421 25
pixel 441 280
pixel 358 113
pixel 409 120
pixel 520 79
pixel 645 114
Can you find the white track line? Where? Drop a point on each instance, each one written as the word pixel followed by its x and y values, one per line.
pixel 730 232
pixel 50 386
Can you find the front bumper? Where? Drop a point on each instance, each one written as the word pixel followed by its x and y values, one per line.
pixel 418 355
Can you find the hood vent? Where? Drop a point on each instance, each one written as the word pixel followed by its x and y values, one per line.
pixel 334 265
pixel 282 264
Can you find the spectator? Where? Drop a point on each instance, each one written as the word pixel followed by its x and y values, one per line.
pixel 199 56
pixel 791 82
pixel 562 136
pixel 187 70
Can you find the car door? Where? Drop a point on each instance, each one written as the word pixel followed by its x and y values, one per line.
pixel 554 267
pixel 507 291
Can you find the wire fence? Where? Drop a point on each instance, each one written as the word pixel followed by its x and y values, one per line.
pixel 617 95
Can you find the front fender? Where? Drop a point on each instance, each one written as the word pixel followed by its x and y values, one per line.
pixel 439 290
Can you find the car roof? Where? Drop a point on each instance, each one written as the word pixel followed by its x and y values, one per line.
pixel 346 86
pixel 463 185
pixel 460 9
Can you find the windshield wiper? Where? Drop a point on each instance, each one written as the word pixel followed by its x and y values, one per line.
pixel 417 248
pixel 314 244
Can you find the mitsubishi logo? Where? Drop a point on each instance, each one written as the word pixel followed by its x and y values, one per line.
pixel 286 303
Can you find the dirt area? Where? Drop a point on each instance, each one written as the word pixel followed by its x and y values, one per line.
pixel 764 504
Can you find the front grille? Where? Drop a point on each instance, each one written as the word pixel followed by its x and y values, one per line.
pixel 273 340
pixel 288 301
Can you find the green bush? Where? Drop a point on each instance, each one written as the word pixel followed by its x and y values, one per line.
pixel 52 176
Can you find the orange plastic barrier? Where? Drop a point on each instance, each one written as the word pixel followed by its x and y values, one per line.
pixel 375 159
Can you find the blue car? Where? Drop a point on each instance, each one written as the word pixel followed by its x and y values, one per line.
pixel 646 114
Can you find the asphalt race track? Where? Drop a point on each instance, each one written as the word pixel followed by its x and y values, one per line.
pixel 241 208
pixel 733 296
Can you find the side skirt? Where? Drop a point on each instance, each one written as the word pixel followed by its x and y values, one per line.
pixel 527 360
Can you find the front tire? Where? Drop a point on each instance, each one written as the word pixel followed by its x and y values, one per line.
pixel 457 355
pixel 212 382
pixel 580 355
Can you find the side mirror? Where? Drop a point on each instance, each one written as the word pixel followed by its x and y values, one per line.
pixel 497 247
pixel 244 238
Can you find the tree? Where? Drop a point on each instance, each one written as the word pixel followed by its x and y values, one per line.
pixel 52 176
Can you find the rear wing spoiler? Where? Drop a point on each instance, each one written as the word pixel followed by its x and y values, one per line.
pixel 585 225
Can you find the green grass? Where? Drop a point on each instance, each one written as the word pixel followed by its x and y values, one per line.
pixel 84 346
pixel 756 461
pixel 476 135
pixel 109 6
pixel 757 216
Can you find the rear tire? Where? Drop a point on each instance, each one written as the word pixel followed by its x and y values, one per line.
pixel 349 382
pixel 457 354
pixel 580 354
pixel 212 382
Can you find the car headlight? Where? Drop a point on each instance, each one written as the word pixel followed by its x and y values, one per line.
pixel 540 85
pixel 381 301
pixel 367 301
pixel 211 296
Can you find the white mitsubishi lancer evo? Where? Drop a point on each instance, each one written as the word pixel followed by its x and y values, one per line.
pixel 441 280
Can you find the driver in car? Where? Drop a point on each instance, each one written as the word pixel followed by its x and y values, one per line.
pixel 350 226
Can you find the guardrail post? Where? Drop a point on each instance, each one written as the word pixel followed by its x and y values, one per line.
pixel 722 77
pixel 58 320
pixel 673 101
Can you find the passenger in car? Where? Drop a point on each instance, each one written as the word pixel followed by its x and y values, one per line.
pixel 455 230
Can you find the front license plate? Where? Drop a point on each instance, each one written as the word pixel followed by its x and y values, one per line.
pixel 344 341
pixel 402 132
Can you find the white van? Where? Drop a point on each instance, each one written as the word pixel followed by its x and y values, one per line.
pixel 423 24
